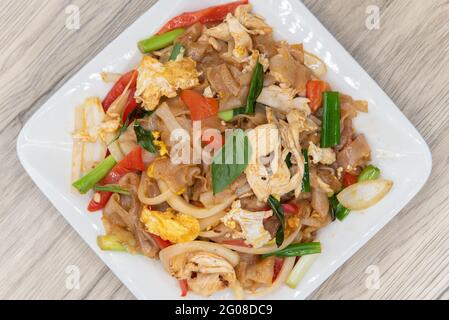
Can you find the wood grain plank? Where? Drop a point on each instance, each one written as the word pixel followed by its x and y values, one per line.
pixel 408 57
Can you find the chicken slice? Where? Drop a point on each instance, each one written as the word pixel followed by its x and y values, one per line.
pixel 242 41
pixel 220 32
pixel 283 99
pixel 253 23
pixel 275 178
pixel 250 223
pixel 206 273
pixel 319 155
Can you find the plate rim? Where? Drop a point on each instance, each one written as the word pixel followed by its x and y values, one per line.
pixel 44 187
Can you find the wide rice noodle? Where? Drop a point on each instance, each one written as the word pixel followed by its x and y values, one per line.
pixel 163 112
pixel 161 198
pixel 315 64
pixel 167 254
pixel 179 204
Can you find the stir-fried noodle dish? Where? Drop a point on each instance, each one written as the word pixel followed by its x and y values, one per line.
pixel 222 154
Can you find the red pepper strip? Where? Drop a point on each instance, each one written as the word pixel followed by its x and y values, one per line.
pixel 278 264
pixel 200 107
pixel 132 162
pixel 119 87
pixel 161 243
pixel 315 89
pixel 349 179
pixel 212 143
pixel 184 287
pixel 290 209
pixel 211 14
pixel 236 242
pixel 130 105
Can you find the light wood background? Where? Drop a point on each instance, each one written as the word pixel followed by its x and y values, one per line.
pixel 408 56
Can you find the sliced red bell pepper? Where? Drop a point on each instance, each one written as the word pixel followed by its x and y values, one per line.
pixel 131 163
pixel 211 14
pixel 119 87
pixel 131 104
pixel 315 89
pixel 290 208
pixel 349 179
pixel 200 106
pixel 184 287
pixel 236 242
pixel 216 144
pixel 161 243
pixel 278 264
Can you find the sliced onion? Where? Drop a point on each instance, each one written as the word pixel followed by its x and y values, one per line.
pixel 179 204
pixel 315 64
pixel 281 278
pixel 167 254
pixel 363 195
pixel 163 197
pixel 118 106
pixel 164 112
pixel 267 249
pixel 124 145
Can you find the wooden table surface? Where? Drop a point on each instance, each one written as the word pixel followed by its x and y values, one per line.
pixel 408 56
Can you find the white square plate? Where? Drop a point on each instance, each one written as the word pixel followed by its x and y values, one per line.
pixel 44 145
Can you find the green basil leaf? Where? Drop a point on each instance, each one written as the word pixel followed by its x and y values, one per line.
pixel 288 160
pixel 137 113
pixel 231 161
pixel 276 206
pixel 177 50
pixel 255 88
pixel 306 178
pixel 144 138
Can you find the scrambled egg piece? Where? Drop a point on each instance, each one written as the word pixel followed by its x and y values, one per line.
pixel 251 224
pixel 157 80
pixel 320 155
pixel 170 226
pixel 159 143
